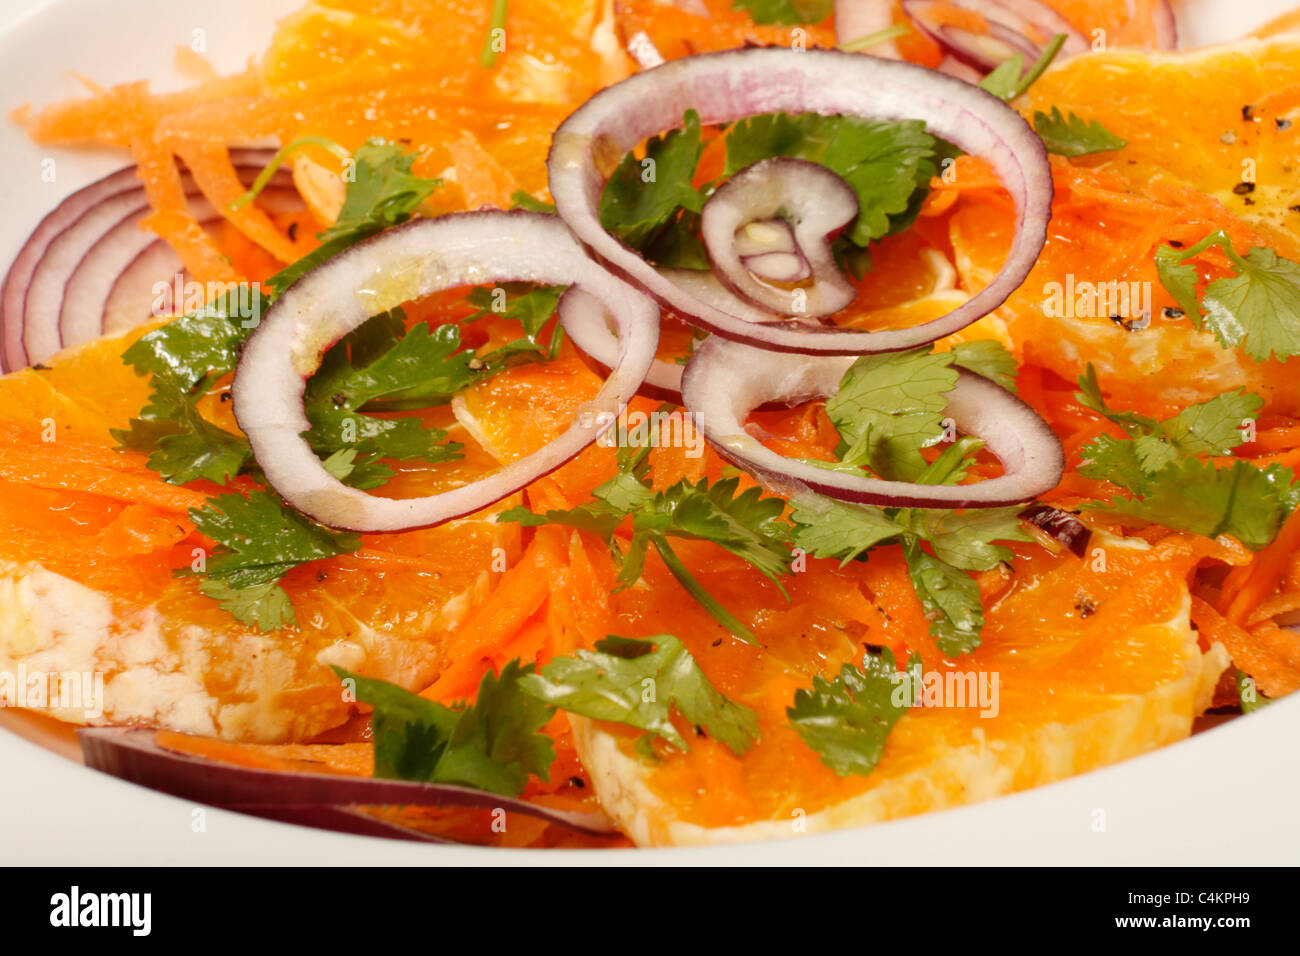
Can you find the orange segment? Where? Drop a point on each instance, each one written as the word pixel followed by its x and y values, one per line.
pixel 1094 661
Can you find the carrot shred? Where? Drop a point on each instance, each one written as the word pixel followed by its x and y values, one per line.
pixel 1266 573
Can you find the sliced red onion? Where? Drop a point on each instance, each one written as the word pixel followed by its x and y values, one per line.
pixel 764 236
pixel 133 755
pixel 1012 24
pixel 1060 526
pixel 13 300
pixel 788 267
pixel 734 84
pixel 396 266
pixel 57 291
pixel 1166 26
pixel 590 331
pixel 951 66
pixel 88 294
pixel 856 19
pixel 815 202
pixel 725 381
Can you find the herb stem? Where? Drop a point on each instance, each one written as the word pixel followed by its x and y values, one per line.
pixel 696 590
pixel 488 57
pixel 1039 68
pixel 278 159
pixel 870 40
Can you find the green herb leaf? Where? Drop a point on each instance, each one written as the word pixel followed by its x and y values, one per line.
pixel 382 192
pixel 888 164
pixel 848 720
pixel 639 683
pixel 894 402
pixel 1258 308
pixel 183 446
pixel 785 12
pixel 644 195
pixel 951 599
pixel 1242 500
pixel 260 539
pixel 371 366
pixel 990 358
pixel 1248 694
pixel 1074 136
pixel 494 744
pixel 1158 463
pixel 1009 80
pixel 746 524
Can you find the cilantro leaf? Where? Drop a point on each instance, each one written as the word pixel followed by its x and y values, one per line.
pixel 532 308
pixel 785 12
pixel 746 524
pixel 1158 464
pixel 827 528
pixel 639 683
pixel 374 363
pixel 183 446
pixel 265 606
pixel 1009 80
pixel 1242 500
pixel 894 403
pixel 495 744
pixel 206 341
pixel 848 720
pixel 1258 308
pixel 886 164
pixel 259 539
pixel 965 540
pixel 644 195
pixel 990 358
pixel 382 191
pixel 951 599
pixel 1074 136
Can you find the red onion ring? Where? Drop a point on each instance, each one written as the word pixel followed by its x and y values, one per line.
pixel 815 202
pixel 734 84
pixel 1010 25
pixel 58 289
pixel 593 336
pixel 725 381
pixel 1060 526
pixel 1166 26
pixel 132 755
pixel 393 267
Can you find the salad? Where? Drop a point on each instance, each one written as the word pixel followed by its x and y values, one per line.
pixel 603 424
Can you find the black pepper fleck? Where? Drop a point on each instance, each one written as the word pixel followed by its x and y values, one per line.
pixel 226 396
pixel 577 782
pixel 1243 189
pixel 718 642
pixel 1171 313
pixel 339 399
pixel 1175 244
pixel 1282 123
pixel 1248 112
pixel 293 231
pixel 874 649
pixel 1085 607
